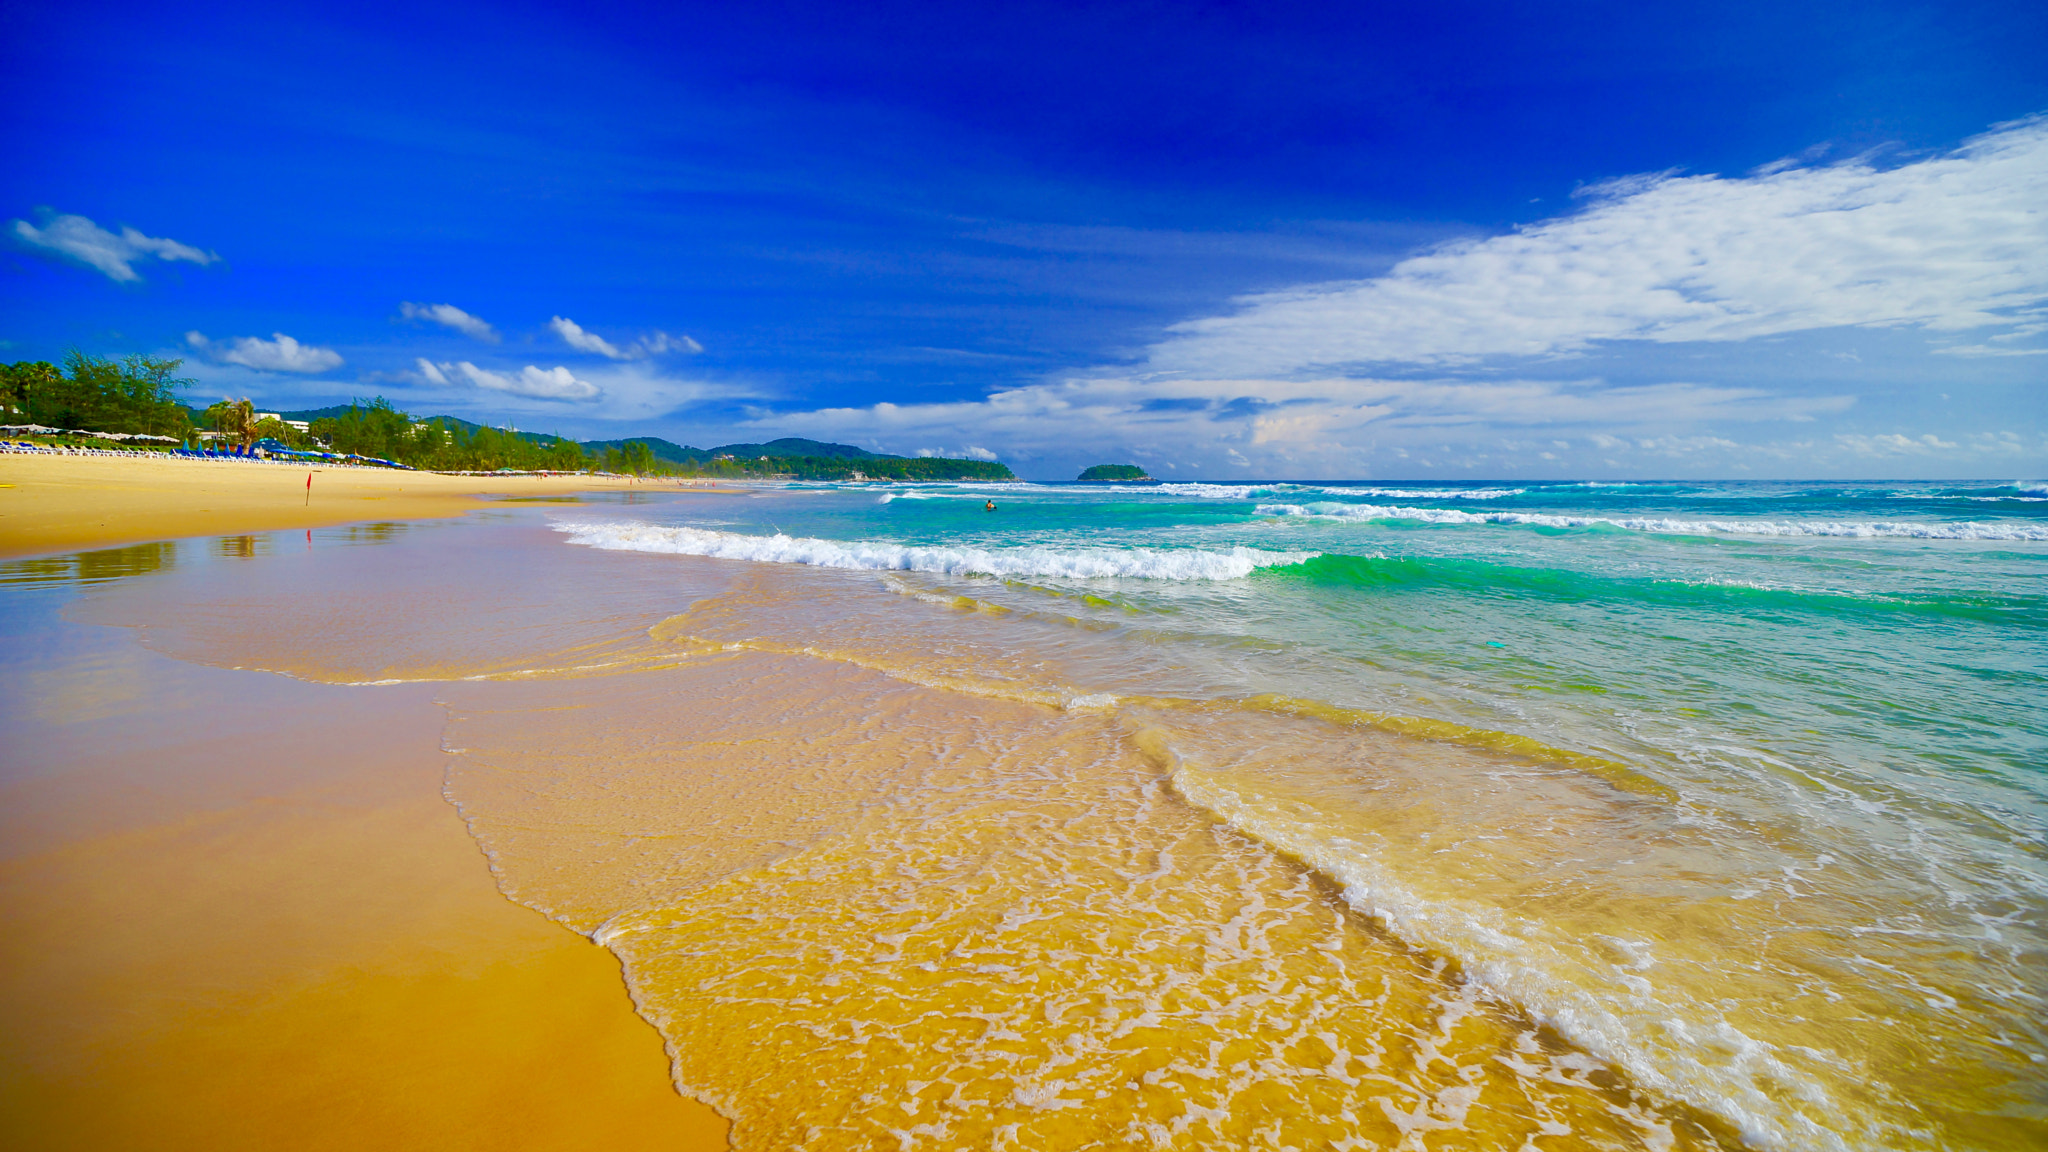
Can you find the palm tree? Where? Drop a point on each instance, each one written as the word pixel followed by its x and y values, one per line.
pixel 235 421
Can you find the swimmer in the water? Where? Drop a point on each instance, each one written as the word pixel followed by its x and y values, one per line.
pixel 991 506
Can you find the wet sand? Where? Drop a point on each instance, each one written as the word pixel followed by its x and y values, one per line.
pixel 50 502
pixel 236 913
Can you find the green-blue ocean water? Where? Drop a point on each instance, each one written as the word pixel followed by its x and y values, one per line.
pixel 1827 698
pixel 1887 629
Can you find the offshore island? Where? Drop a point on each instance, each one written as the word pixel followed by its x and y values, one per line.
pixel 1115 473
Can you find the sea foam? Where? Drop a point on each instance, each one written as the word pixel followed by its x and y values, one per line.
pixel 1923 530
pixel 1068 563
pixel 1209 491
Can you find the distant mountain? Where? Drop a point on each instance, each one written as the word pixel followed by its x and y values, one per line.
pixel 787 446
pixel 798 446
pixel 454 422
pixel 663 449
pixel 332 410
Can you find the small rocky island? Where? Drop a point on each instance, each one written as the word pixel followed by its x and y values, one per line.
pixel 1108 472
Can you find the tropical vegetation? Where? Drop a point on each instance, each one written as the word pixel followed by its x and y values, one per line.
pixel 95 394
pixel 138 394
pixel 380 430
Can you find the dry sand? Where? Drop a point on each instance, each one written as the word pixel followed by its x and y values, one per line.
pixel 50 502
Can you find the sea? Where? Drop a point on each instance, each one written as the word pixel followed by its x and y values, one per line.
pixel 1516 815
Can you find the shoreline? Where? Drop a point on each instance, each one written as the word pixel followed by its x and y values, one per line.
pixel 52 503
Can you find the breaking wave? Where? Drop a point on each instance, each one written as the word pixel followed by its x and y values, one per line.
pixel 1074 563
pixel 1247 491
pixel 1924 530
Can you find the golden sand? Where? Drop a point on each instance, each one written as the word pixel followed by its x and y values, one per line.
pixel 50 502
pixel 235 913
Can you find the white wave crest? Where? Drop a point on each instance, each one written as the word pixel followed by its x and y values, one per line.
pixel 1922 530
pixel 1206 491
pixel 1429 493
pixel 1075 563
pixel 1210 491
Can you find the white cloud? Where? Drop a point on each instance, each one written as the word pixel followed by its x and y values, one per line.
pixel 583 340
pixel 1683 445
pixel 281 353
pixel 1947 243
pixel 637 392
pixel 1975 350
pixel 1328 426
pixel 1894 444
pixel 86 242
pixel 449 316
pixel 575 337
pixel 660 342
pixel 538 383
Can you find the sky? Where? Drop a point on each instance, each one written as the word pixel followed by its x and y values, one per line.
pixel 1275 240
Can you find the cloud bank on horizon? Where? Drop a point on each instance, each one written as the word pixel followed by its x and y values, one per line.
pixel 1955 246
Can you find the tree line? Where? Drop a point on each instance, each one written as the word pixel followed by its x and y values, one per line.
pixel 95 394
pixel 139 394
pixel 379 429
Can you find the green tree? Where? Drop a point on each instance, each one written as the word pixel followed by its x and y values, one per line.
pixel 234 421
pixel 565 456
pixel 136 394
pixel 376 429
pixel 24 383
pixel 273 428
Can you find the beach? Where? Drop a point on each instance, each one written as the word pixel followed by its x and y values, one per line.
pixel 239 912
pixel 1191 816
pixel 50 501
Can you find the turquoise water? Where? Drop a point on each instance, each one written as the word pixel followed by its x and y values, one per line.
pixel 1811 896
pixel 1887 630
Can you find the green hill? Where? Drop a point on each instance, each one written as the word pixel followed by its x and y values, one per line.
pixel 377 428
pixel 663 449
pixel 1107 472
pixel 788 446
pixel 798 446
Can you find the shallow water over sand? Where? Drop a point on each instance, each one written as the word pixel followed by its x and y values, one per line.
pixel 1043 858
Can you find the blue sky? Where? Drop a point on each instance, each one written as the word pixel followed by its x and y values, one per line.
pixel 1279 240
